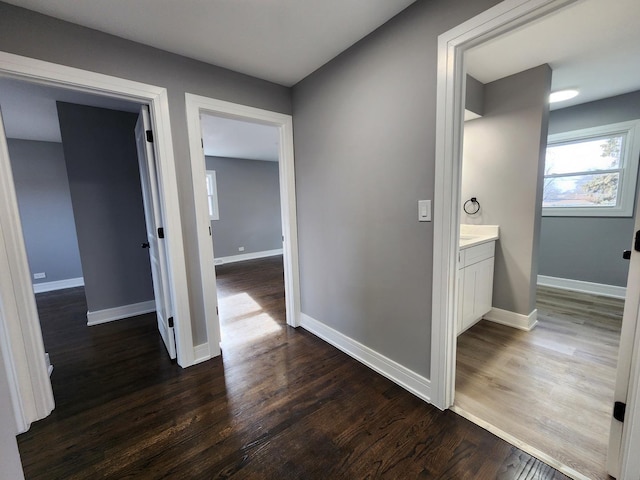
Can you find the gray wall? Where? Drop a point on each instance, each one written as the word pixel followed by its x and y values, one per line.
pixel 474 96
pixel 589 248
pixel 33 35
pixel 9 454
pixel 102 164
pixel 503 160
pixel 42 188
pixel 364 145
pixel 249 203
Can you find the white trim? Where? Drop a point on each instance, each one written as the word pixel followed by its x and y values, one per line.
pixel 21 415
pixel 98 317
pixel 58 285
pixel 525 447
pixel 513 319
pixel 503 17
pixel 201 353
pixel 601 289
pixel 195 106
pixel 212 196
pixel 22 345
pixel 247 256
pixel 630 445
pixel 407 379
pixel 628 169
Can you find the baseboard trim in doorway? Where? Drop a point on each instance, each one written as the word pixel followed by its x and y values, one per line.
pixel 407 379
pixel 525 447
pixel 58 285
pixel 118 313
pixel 201 353
pixel 247 256
pixel 601 289
pixel 512 319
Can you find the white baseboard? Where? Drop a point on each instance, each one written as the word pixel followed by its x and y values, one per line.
pixel 247 256
pixel 512 319
pixel 118 313
pixel 407 379
pixel 58 285
pixel 201 353
pixel 583 287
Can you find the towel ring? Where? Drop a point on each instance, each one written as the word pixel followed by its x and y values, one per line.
pixel 469 210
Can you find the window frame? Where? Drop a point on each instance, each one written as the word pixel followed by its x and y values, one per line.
pixel 212 198
pixel 628 169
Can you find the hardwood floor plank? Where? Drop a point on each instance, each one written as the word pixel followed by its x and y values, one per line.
pixel 279 404
pixel 551 388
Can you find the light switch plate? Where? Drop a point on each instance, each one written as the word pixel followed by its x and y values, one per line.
pixel 424 210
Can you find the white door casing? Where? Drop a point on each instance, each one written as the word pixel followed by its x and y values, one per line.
pixel 20 334
pixel 154 221
pixel 499 19
pixel 196 105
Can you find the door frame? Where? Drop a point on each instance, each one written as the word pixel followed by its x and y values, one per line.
pixel 504 17
pixel 27 371
pixel 196 105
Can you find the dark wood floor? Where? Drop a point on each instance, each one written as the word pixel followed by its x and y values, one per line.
pixel 280 404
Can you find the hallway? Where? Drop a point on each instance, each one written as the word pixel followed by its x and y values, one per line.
pixel 282 405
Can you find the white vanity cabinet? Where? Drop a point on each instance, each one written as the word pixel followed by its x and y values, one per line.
pixel 475 283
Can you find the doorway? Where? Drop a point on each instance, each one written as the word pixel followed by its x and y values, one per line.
pixel 197 108
pixel 31 389
pixel 540 385
pixel 501 18
pixel 243 196
pixel 76 175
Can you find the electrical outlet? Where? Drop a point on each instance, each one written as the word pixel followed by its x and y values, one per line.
pixel 241 249
pixel 37 276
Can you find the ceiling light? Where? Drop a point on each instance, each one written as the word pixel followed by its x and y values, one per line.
pixel 562 95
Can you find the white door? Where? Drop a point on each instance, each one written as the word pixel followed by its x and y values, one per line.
pixel 627 341
pixel 155 235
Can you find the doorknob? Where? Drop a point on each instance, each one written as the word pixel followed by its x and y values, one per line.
pixel 626 254
pixel 145 245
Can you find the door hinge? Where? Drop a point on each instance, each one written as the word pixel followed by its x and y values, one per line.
pixel 161 232
pixel 618 411
pixel 170 322
pixel 217 312
pixel 636 245
pixel 202 143
pixel 149 136
pixel 209 231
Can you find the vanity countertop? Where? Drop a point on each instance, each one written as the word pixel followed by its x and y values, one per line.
pixel 472 235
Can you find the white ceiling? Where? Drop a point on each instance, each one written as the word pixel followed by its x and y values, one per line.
pixel 224 137
pixel 282 41
pixel 592 45
pixel 589 45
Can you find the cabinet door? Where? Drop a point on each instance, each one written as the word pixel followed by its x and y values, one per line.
pixel 483 287
pixel 460 300
pixel 476 293
pixel 467 314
